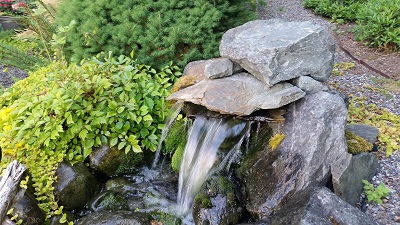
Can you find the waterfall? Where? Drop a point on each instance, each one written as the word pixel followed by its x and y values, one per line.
pixel 169 120
pixel 204 139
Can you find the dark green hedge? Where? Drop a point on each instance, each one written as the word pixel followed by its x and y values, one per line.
pixel 158 31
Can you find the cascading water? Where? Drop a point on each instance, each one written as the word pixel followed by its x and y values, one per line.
pixel 204 141
pixel 201 157
pixel 169 120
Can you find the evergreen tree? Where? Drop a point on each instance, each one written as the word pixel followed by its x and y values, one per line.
pixel 158 31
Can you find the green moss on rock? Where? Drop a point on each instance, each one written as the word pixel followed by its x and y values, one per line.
pixel 356 144
pixel 202 201
pixel 176 160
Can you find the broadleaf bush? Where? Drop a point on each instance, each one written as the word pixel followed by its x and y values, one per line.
pixel 379 24
pixel 158 31
pixel 344 10
pixel 62 112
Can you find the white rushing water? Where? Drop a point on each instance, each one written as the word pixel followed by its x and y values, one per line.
pixel 169 120
pixel 205 138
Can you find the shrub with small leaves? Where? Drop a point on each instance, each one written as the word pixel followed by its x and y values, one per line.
pixel 61 112
pixel 375 194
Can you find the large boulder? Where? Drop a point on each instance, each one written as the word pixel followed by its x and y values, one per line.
pixel 347 178
pixel 239 94
pixel 75 185
pixel 275 50
pixel 314 143
pixel 319 207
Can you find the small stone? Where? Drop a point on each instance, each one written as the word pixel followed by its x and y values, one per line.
pixel 397 219
pixel 217 68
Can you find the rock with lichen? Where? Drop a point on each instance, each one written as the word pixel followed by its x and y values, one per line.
pixel 356 144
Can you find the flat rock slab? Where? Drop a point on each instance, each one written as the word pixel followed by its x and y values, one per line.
pixel 239 94
pixel 275 50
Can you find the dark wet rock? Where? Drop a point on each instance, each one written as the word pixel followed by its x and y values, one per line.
pixel 27 209
pixel 276 50
pixel 75 185
pixel 115 218
pixel 108 200
pixel 217 203
pixel 347 178
pixel 319 207
pixel 367 132
pixel 111 161
pixel 55 220
pixel 246 94
pixel 308 84
pixel 314 143
pixel 105 159
pixel 120 185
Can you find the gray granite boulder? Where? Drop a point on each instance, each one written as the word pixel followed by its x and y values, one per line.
pixel 347 178
pixel 314 143
pixel 275 50
pixel 319 207
pixel 239 94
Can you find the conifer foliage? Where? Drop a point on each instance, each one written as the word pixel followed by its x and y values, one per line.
pixel 158 31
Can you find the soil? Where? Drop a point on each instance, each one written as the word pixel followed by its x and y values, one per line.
pixel 378 61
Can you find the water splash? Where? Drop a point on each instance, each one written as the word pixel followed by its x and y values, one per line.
pixel 169 120
pixel 204 140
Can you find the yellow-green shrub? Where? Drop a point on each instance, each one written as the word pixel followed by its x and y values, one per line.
pixel 61 112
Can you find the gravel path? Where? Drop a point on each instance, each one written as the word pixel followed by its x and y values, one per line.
pixel 363 84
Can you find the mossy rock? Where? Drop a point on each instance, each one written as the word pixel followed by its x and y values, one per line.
pixel 175 142
pixel 217 203
pixel 356 144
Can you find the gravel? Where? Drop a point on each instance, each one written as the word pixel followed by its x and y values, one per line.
pixel 8 75
pixel 363 84
pixel 358 85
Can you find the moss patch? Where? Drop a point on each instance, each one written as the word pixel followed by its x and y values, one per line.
pixel 202 201
pixel 356 144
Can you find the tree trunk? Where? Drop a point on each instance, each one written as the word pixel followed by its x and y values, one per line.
pixel 9 186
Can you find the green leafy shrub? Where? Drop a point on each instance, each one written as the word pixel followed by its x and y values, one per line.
pixel 61 112
pixel 375 194
pixel 158 31
pixel 338 10
pixel 379 24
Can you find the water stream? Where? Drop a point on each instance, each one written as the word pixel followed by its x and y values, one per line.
pixel 201 153
pixel 201 156
pixel 169 120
